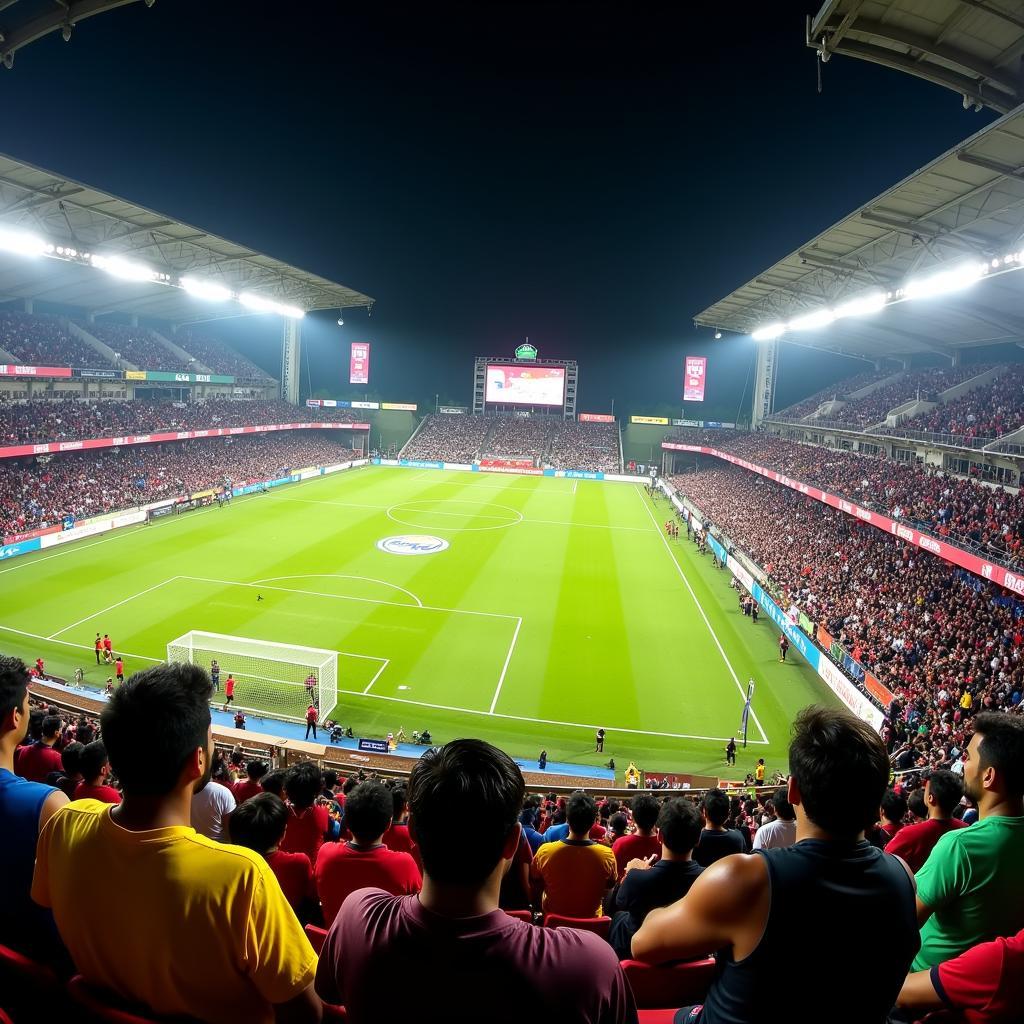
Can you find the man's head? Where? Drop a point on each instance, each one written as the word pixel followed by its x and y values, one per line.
pixel 839 770
pixel 645 811
pixel 399 802
pixel 156 729
pixel 14 714
pixel 273 782
pixel 368 810
pixel 679 825
pixel 893 806
pixel 581 813
pixel 783 808
pixel 488 785
pixel 259 823
pixel 942 793
pixel 303 784
pixel 255 770
pixel 51 728
pixel 95 766
pixel 71 759
pixel 715 806
pixel 994 759
pixel 618 823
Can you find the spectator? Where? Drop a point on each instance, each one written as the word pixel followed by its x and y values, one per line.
pixel 71 765
pixel 754 909
pixel 716 840
pixel 644 842
pixel 198 929
pixel 892 811
pixel 95 770
pixel 365 862
pixel 493 965
pixel 781 831
pixel 942 793
pixel 308 819
pixel 38 760
pixel 250 785
pixel 970 888
pixel 397 836
pixel 575 873
pixel 646 884
pixel 258 824
pixel 25 807
pixel 211 810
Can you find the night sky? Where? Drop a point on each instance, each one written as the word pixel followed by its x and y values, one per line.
pixel 588 174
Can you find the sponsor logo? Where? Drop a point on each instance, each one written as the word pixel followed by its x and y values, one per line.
pixel 70 446
pixel 412 544
pixel 986 570
pixel 802 488
pixel 903 532
pixel 929 544
pixel 10 550
pixel 374 746
pixel 863 514
pixel 1014 583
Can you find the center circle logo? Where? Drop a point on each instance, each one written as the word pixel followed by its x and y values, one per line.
pixel 412 544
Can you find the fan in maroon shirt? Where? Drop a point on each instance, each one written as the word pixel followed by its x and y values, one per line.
pixel 397 836
pixel 308 821
pixel 95 768
pixel 342 868
pixel 35 762
pixel 645 810
pixel 250 786
pixel 942 793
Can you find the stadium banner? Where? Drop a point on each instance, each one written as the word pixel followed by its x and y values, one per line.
pixel 687 423
pixel 574 474
pixel 17 538
pixel 102 374
pixel 878 690
pixel 161 510
pixel 21 547
pixel 361 405
pixel 595 417
pixel 694 376
pixel 179 378
pixel 317 403
pixel 134 374
pixel 413 463
pixel 12 370
pixel 262 485
pixel 522 470
pixel 626 478
pixel 399 406
pixel 661 421
pixel 77 533
pixel 509 463
pixel 374 746
pixel 805 623
pixel 359 363
pixel 309 471
pixel 1012 581
pixel 453 410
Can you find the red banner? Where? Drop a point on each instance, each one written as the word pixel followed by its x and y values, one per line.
pixel 693 378
pixel 10 370
pixel 950 552
pixel 595 417
pixel 15 538
pixel 359 363
pixel 508 463
pixel 17 450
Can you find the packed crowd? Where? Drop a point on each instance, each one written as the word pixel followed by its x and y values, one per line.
pixel 137 345
pixel 217 355
pixel 39 420
pixel 42 341
pixel 959 509
pixel 844 387
pixel 39 492
pixel 448 438
pixel 920 625
pixel 593 447
pixel 520 437
pixel 406 891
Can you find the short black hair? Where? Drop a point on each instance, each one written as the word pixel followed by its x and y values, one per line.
pixel 51 726
pixel 330 779
pixel 581 813
pixel 1002 747
pixel 94 757
pixel 259 823
pixel 893 805
pixel 716 806
pixel 14 680
pixel 679 825
pixel 618 823
pixel 368 810
pixel 303 784
pixel 488 784
pixel 841 769
pixel 153 724
pixel 916 805
pixel 255 770
pixel 399 802
pixel 783 808
pixel 645 811
pixel 71 758
pixel 947 788
pixel 273 782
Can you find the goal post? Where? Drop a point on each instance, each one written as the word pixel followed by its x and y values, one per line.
pixel 273 678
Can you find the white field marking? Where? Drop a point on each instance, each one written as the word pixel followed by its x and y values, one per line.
pixel 342 576
pixel 504 668
pixel 67 643
pixel 575 484
pixel 376 676
pixel 714 635
pixel 542 721
pixel 346 597
pixel 451 481
pixel 404 506
pixel 111 607
pixel 592 526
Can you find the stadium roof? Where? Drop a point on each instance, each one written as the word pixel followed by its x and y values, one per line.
pixel 973 47
pixel 66 213
pixel 968 203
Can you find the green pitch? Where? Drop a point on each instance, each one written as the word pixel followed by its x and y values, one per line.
pixel 557 607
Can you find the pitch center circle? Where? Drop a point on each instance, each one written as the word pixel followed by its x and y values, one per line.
pixel 454 514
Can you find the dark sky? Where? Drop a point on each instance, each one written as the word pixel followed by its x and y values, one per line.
pixel 588 174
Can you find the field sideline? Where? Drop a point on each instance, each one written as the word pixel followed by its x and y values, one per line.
pixel 558 606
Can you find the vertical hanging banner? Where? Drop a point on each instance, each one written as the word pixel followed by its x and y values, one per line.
pixel 359 363
pixel 694 377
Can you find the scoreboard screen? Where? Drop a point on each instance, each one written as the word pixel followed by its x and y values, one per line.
pixel 525 385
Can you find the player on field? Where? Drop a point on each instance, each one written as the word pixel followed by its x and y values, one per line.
pixel 108 649
pixel 229 689
pixel 311 687
pixel 119 670
pixel 99 647
pixel 599 742
pixel 783 646
pixel 215 675
pixel 311 718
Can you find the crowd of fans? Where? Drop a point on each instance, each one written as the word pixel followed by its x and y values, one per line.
pixel 520 437
pixel 217 355
pixel 593 447
pixel 844 387
pixel 71 419
pixel 137 345
pixel 448 438
pixel 39 492
pixel 41 341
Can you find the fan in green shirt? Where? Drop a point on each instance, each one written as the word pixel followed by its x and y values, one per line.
pixel 971 888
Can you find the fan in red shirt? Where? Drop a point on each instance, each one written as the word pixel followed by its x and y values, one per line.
pixel 250 786
pixel 259 825
pixel 645 810
pixel 119 669
pixel 35 762
pixel 95 769
pixel 397 836
pixel 40 668
pixel 308 821
pixel 942 793
pixel 342 868
pixel 108 647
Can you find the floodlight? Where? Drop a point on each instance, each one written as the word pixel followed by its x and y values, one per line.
pixel 123 268
pixel 944 282
pixel 206 289
pixel 769 333
pixel 811 321
pixel 261 304
pixel 862 305
pixel 21 242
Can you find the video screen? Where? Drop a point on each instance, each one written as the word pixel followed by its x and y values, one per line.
pixel 526 385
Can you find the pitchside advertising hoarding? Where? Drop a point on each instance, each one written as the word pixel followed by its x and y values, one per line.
pixel 11 370
pixel 525 385
pixel 359 363
pixel 595 417
pixel 694 376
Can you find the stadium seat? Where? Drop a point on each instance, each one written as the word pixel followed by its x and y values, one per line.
pixel 4 1019
pixel 659 988
pixel 521 915
pixel 25 984
pixel 657 1016
pixel 107 1008
pixel 598 925
pixel 317 936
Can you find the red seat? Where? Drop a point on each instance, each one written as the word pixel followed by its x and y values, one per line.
pixel 521 915
pixel 598 925
pixel 656 1016
pixel 4 1019
pixel 26 984
pixel 660 988
pixel 317 937
pixel 107 1008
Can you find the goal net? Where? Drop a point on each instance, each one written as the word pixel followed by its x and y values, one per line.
pixel 277 679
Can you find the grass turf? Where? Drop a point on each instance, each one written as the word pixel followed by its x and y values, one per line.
pixel 558 606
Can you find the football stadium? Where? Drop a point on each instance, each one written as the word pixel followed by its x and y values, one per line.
pixel 585 673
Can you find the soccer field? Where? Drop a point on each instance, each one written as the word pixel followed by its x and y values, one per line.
pixel 557 607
